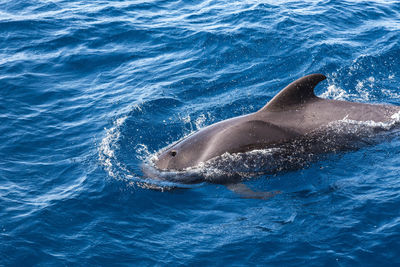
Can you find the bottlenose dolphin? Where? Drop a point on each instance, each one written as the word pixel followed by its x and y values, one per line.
pixel 294 113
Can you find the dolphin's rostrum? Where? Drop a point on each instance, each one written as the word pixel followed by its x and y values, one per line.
pixel 294 113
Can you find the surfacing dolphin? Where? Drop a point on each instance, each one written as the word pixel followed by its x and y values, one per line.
pixel 295 113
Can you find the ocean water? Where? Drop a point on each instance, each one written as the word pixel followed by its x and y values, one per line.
pixel 91 89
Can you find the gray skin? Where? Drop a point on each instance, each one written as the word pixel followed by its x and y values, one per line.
pixel 293 113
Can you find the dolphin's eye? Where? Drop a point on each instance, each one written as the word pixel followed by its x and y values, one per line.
pixel 173 153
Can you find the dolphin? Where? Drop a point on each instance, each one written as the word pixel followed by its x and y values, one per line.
pixel 295 113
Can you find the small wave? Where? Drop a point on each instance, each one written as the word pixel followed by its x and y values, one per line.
pixel 116 169
pixel 108 147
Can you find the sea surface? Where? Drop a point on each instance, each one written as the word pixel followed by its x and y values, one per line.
pixel 89 90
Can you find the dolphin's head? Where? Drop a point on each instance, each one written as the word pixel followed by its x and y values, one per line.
pixel 186 153
pixel 169 159
pixel 175 157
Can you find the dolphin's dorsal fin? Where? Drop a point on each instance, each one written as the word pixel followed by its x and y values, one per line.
pixel 298 92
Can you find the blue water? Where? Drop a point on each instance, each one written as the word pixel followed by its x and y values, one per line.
pixel 91 89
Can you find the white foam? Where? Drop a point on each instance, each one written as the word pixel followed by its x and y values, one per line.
pixel 186 119
pixel 364 90
pixel 395 119
pixel 109 145
pixel 363 93
pixel 200 121
pixel 117 170
pixel 142 152
pixel 335 92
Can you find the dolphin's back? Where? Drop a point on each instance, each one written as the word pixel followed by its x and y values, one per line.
pixel 297 107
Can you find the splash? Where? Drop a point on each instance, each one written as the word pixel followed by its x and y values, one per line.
pixel 200 121
pixel 363 89
pixel 368 125
pixel 108 150
pixel 335 92
pixel 195 124
pixel 109 146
